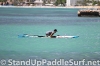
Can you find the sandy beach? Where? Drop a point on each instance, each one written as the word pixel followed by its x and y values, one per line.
pixel 51 6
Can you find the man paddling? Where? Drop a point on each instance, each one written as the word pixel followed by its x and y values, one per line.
pixel 51 33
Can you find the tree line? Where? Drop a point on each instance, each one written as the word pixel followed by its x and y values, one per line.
pixel 60 2
pixel 83 3
pixel 63 2
pixel 3 0
pixel 87 2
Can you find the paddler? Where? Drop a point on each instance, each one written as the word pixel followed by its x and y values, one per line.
pixel 51 33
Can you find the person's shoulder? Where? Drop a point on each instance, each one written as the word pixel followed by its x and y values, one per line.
pixel 49 31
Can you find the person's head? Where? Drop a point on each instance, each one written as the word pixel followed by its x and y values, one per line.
pixel 55 30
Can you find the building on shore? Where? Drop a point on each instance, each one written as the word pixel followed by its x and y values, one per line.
pixel 82 2
pixel 29 2
pixel 19 2
pixel 51 2
pixel 38 2
pixel 72 2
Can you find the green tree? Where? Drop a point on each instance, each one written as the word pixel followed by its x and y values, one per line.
pixel 49 1
pixel 62 2
pixel 57 2
pixel 20 0
pixel 84 3
pixel 98 3
pixel 44 2
pixel 95 2
pixel 15 2
pixel 78 2
pixel 3 0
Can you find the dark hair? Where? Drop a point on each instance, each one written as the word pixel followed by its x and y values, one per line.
pixel 55 30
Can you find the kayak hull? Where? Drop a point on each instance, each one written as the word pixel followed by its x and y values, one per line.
pixel 37 36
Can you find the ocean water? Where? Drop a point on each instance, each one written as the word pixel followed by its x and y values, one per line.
pixel 36 21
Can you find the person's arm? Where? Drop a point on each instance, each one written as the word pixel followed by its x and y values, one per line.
pixel 51 34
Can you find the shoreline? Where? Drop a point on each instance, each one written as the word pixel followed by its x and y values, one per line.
pixel 50 6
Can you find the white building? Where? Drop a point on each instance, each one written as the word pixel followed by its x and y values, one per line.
pixel 38 2
pixel 72 2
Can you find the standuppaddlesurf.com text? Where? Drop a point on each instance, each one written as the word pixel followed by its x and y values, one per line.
pixel 42 62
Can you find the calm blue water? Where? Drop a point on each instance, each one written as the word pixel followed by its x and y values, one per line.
pixel 36 21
